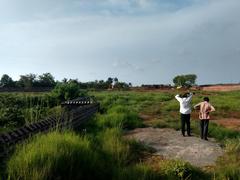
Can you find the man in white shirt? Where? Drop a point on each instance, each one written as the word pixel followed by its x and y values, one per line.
pixel 185 110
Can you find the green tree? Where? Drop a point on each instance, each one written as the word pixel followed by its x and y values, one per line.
pixel 187 80
pixel 109 82
pixel 122 85
pixel 67 91
pixel 6 81
pixel 46 80
pixel 115 80
pixel 27 81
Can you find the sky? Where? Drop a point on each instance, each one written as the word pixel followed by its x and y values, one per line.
pixel 138 41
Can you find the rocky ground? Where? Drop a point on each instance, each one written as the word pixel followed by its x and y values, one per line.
pixel 171 144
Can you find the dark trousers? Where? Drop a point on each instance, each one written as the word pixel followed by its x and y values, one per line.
pixel 185 119
pixel 204 128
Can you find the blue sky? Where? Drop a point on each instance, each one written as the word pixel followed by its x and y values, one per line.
pixel 138 41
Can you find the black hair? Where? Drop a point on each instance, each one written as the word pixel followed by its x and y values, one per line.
pixel 206 99
pixel 185 95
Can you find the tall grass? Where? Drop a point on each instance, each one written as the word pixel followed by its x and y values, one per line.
pixel 69 156
pixel 228 166
pixel 113 147
pixel 54 156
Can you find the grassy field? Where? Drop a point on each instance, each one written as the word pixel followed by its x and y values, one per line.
pixel 100 152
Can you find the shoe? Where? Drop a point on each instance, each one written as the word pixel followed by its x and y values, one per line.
pixel 183 135
pixel 189 135
pixel 206 139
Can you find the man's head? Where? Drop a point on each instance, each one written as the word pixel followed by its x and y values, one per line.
pixel 185 95
pixel 206 99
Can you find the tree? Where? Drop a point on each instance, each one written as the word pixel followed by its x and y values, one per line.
pixel 27 81
pixel 122 85
pixel 46 80
pixel 115 80
pixel 66 91
pixel 187 80
pixel 109 82
pixel 6 81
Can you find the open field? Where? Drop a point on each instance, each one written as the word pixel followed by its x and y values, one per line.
pixel 100 146
pixel 223 88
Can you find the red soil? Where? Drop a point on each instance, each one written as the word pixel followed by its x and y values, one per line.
pixel 222 88
pixel 229 123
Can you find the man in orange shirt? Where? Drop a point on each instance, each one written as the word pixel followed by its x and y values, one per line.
pixel 204 109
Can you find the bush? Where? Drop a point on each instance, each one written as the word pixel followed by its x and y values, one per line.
pixel 178 169
pixel 67 91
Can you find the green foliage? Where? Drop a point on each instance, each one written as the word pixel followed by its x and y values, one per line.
pixel 228 166
pixel 185 80
pixel 46 80
pixel 19 109
pixel 27 81
pixel 6 81
pixel 66 91
pixel 178 169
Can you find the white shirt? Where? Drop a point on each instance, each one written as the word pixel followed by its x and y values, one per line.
pixel 185 104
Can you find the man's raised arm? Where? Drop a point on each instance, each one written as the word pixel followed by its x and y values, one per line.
pixel 178 98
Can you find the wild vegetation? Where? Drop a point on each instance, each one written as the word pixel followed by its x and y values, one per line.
pixel 17 109
pixel 107 155
pixel 46 81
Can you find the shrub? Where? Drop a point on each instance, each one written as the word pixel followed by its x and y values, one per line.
pixel 177 169
pixel 66 91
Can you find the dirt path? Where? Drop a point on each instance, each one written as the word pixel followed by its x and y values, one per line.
pixel 171 144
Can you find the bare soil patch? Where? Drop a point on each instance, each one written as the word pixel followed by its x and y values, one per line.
pixel 172 145
pixel 222 88
pixel 229 123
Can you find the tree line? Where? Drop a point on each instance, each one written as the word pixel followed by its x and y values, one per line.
pixel 47 80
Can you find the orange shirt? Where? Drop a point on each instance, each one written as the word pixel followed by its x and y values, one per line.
pixel 204 109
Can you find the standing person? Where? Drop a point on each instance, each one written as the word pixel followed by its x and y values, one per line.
pixel 204 109
pixel 185 111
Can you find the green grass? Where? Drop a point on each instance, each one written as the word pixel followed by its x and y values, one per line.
pixel 228 166
pixel 54 156
pixel 58 154
pixel 67 155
